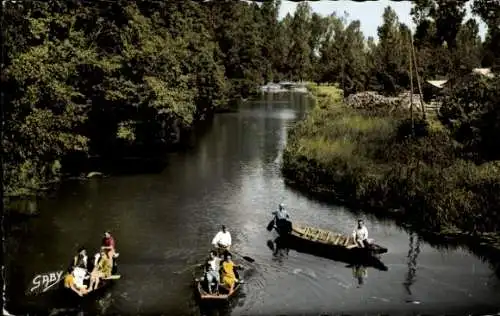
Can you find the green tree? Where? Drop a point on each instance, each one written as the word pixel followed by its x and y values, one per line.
pixel 299 56
pixel 489 12
pixel 467 54
pixel 392 53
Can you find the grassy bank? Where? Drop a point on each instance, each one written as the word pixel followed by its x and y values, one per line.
pixel 366 159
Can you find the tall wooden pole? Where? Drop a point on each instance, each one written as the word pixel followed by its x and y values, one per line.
pixel 418 78
pixel 411 90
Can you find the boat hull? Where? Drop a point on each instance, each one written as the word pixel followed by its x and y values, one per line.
pixel 324 241
pixel 102 288
pixel 204 296
pixel 223 295
pixel 104 285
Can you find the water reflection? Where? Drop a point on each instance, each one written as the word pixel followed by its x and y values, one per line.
pixel 280 253
pixel 413 253
pixel 360 273
pixel 359 266
pixel 281 247
pixel 222 308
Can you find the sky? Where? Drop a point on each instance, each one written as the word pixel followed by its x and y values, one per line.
pixel 369 12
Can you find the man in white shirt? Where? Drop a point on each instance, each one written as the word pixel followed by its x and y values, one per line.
pixel 222 240
pixel 360 235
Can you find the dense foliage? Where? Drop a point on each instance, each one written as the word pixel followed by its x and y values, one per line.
pixel 117 78
pixel 472 112
pixel 366 159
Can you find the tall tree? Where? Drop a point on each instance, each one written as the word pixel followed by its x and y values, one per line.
pixel 392 53
pixel 299 55
pixel 467 55
pixel 489 11
pixel 446 16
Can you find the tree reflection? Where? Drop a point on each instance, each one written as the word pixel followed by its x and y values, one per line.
pixel 412 256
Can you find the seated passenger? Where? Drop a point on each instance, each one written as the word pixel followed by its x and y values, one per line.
pixel 102 270
pixel 75 283
pixel 80 260
pixel 360 235
pixel 212 271
pixel 108 243
pixel 228 275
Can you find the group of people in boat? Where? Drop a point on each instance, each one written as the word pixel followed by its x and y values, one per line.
pixel 284 225
pixel 219 269
pixel 81 271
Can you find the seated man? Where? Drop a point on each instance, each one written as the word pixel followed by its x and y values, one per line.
pixel 222 240
pixel 360 235
pixel 74 281
pixel 212 271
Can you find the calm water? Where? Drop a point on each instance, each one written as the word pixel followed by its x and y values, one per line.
pixel 164 222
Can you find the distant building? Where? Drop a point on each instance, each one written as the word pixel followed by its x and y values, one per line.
pixel 432 89
pixel 435 88
pixel 484 71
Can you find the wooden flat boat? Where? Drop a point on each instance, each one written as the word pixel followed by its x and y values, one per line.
pixel 322 239
pixel 101 288
pixel 223 293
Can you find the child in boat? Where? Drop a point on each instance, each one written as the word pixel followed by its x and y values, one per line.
pixel 227 273
pixel 103 269
pixel 74 281
pixel 212 271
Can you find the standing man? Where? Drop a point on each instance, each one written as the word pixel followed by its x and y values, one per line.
pixel 222 240
pixel 281 219
pixel 360 234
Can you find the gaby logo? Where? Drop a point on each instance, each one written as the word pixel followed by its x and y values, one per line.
pixel 44 282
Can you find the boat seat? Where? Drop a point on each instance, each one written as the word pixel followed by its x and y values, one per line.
pixel 346 242
pixel 337 239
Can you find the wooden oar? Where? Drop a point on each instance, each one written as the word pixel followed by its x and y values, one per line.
pixel 188 268
pixel 247 258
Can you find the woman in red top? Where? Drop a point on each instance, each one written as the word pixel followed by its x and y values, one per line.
pixel 108 243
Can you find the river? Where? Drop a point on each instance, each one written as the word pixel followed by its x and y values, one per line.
pixel 164 222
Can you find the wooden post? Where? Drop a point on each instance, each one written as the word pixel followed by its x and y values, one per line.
pixel 418 78
pixel 411 91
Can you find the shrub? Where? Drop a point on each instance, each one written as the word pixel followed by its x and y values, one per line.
pixel 369 159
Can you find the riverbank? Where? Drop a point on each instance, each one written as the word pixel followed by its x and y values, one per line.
pixel 365 159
